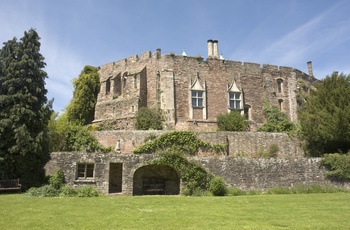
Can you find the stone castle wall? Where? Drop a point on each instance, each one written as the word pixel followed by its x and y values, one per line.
pixel 166 80
pixel 243 173
pixel 239 143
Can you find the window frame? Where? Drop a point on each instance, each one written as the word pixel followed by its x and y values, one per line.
pixel 279 88
pixel 85 171
pixel 234 100
pixel 196 98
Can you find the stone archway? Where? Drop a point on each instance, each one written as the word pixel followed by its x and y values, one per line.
pixel 156 180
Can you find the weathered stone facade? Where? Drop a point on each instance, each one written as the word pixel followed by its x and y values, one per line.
pixel 126 174
pixel 192 91
pixel 238 143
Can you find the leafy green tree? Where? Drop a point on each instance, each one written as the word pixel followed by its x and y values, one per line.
pixel 276 121
pixel 149 118
pixel 86 87
pixel 325 117
pixel 70 136
pixel 24 110
pixel 232 121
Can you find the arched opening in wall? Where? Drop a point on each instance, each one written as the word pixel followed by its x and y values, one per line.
pixel 156 180
pixel 279 86
pixel 247 112
pixel 117 86
pixel 280 104
pixel 108 86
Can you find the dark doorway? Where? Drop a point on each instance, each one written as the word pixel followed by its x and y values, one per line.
pixel 115 177
pixel 156 180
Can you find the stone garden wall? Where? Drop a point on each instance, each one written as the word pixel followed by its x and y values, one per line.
pixel 244 173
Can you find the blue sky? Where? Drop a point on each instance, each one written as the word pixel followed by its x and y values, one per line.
pixel 75 33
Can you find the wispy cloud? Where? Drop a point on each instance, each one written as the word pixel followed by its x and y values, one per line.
pixel 313 38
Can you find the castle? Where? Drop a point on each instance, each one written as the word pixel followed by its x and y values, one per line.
pixel 192 91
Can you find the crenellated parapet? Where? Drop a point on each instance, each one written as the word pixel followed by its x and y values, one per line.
pixel 153 79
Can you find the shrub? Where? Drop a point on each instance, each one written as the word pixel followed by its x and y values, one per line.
pixel 338 166
pixel 57 179
pixel 86 191
pixel 232 121
pixel 149 118
pixel 178 142
pixel 217 186
pixel 43 191
pixel 276 121
pixel 194 176
pixel 68 191
pixel 232 191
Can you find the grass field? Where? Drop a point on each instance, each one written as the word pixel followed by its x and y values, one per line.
pixel 300 211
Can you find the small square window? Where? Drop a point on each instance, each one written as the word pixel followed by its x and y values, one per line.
pixel 85 171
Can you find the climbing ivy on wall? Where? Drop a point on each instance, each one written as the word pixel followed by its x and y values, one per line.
pixel 179 142
pixel 194 176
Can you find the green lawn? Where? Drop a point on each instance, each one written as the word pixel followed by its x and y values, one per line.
pixel 301 211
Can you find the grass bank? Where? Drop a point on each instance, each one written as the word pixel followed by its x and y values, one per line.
pixel 297 211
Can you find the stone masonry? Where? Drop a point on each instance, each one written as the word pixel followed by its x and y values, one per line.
pixel 243 173
pixel 192 91
pixel 239 143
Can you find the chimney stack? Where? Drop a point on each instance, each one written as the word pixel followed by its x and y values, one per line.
pixel 309 67
pixel 210 48
pixel 216 49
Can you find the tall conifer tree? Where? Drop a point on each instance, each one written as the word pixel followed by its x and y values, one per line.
pixel 24 110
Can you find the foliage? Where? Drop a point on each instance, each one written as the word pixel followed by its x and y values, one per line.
pixel 338 166
pixel 86 191
pixel 306 189
pixel 217 186
pixel 24 110
pixel 232 121
pixel 43 191
pixel 69 136
pixel 325 117
pixel 86 88
pixel 68 191
pixel 148 119
pixel 178 141
pixel 232 191
pixel 276 121
pixel 57 179
pixel 64 191
pixel 193 175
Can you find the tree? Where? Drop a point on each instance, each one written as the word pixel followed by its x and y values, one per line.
pixel 276 121
pixel 149 118
pixel 232 121
pixel 86 87
pixel 325 117
pixel 70 136
pixel 24 110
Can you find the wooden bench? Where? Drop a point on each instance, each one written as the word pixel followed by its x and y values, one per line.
pixel 10 185
pixel 153 187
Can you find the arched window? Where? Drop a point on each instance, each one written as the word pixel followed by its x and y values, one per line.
pixel 135 81
pixel 279 85
pixel 108 85
pixel 280 104
pixel 235 97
